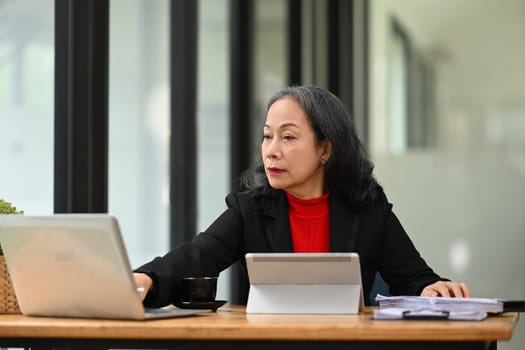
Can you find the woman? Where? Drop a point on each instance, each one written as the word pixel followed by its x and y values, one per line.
pixel 313 191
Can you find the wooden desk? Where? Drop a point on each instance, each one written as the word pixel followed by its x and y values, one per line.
pixel 231 328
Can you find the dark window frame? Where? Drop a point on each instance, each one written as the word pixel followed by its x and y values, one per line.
pixel 183 140
pixel 241 102
pixel 81 106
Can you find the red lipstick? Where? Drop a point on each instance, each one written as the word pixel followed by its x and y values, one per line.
pixel 275 171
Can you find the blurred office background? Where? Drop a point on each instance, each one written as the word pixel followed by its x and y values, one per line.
pixel 436 89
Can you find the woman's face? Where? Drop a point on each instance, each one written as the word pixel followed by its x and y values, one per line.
pixel 293 159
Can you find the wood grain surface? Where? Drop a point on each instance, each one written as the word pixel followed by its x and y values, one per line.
pixel 231 322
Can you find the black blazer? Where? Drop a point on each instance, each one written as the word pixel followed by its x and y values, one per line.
pixel 261 224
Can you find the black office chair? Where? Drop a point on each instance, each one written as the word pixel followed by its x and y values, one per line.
pixel 379 287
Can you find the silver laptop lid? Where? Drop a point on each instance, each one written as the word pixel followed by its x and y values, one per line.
pixel 71 265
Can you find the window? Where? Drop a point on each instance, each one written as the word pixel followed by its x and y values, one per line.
pixel 26 104
pixel 139 127
pixel 213 137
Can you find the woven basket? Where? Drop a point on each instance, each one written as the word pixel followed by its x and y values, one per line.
pixel 8 302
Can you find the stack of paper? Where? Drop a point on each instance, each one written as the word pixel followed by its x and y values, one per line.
pixel 416 307
pixel 441 303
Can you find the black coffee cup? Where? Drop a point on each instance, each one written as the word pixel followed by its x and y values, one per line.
pixel 198 289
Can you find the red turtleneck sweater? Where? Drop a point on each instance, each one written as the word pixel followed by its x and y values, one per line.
pixel 309 223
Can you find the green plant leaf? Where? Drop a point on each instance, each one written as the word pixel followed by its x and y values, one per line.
pixel 7 208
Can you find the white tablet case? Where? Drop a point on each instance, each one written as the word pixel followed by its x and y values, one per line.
pixel 304 283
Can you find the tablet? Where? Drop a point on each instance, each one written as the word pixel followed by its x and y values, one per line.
pixel 326 283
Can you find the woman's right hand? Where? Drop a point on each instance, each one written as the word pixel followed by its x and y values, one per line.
pixel 143 282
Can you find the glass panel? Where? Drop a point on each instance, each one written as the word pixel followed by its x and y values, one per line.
pixel 139 125
pixel 27 104
pixel 270 57
pixel 462 196
pixel 213 120
pixel 397 89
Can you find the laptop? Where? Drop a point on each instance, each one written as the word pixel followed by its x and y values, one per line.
pixel 73 265
pixel 304 283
